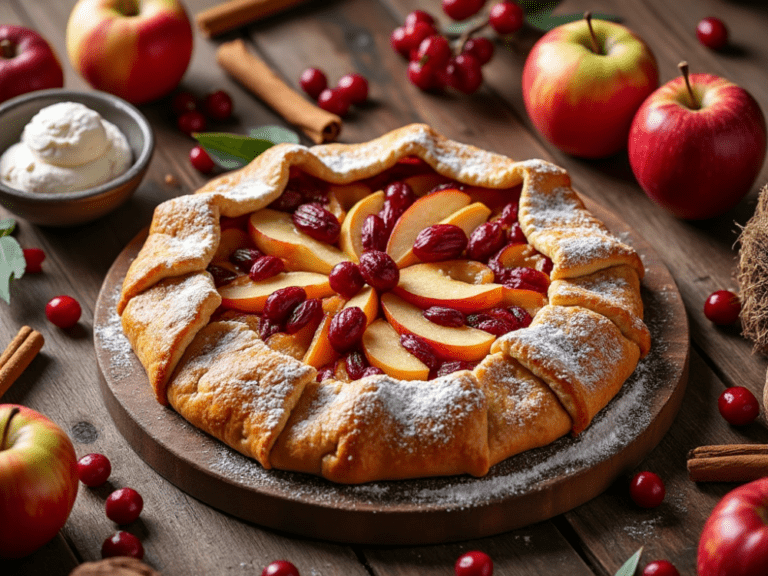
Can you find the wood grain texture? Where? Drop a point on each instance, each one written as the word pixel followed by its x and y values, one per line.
pixel 353 35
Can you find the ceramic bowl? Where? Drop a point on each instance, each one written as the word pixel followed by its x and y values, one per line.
pixel 71 208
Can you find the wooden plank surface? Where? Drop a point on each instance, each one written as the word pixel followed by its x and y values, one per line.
pixel 184 536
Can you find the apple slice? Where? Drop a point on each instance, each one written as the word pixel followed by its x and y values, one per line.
pixel 462 343
pixel 351 236
pixel 426 211
pixel 248 296
pixel 231 240
pixel 381 345
pixel 433 284
pixel 529 299
pixel 320 351
pixel 273 233
pixel 423 183
pixel 521 256
pixel 368 301
pixel 347 195
pixel 293 345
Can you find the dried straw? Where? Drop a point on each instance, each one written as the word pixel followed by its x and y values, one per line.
pixel 753 275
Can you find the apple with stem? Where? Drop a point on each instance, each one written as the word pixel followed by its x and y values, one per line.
pixel 734 540
pixel 38 480
pixel 697 145
pixel 27 62
pixel 135 49
pixel 584 81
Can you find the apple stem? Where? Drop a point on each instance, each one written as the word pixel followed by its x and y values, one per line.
pixel 683 66
pixel 7 49
pixel 15 410
pixel 595 45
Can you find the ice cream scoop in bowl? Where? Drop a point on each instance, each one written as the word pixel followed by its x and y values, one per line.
pixel 82 154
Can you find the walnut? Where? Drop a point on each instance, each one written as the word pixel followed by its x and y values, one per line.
pixel 118 566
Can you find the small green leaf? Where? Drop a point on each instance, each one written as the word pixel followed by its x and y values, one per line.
pixel 630 566
pixel 12 264
pixel 7 226
pixel 231 151
pixel 275 134
pixel 546 21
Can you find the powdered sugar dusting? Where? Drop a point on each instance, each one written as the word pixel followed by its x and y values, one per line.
pixel 109 336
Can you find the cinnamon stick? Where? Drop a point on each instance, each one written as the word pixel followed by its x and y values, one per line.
pixel 17 356
pixel 254 74
pixel 728 463
pixel 236 13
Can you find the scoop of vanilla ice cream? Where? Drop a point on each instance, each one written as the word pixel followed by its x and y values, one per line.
pixel 64 148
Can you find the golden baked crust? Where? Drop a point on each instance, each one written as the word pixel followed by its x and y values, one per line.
pixel 535 385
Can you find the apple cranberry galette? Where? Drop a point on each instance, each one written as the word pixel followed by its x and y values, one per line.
pixel 406 307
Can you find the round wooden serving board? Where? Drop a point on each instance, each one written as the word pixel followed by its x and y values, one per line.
pixel 524 489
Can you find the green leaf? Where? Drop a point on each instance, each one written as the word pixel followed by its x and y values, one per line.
pixel 12 264
pixel 7 226
pixel 630 566
pixel 545 21
pixel 275 134
pixel 231 151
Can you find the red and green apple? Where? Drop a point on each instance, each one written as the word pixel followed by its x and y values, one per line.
pixel 27 62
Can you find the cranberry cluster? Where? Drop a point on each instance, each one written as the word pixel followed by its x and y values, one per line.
pixel 351 89
pixel 122 506
pixel 433 63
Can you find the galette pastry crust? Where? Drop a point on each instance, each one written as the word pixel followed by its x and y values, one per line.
pixel 537 384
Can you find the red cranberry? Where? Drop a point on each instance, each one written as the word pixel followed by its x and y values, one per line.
pixel 288 201
pixel 317 222
pixel 647 489
pixel 192 121
pixel 440 242
pixel 419 16
pixel 445 316
pixel 421 349
pixel 244 258
pixel 281 303
pixel 379 270
pixel 422 76
pixel 485 240
pixel 354 87
pixel 122 544
pixel 660 568
pixel 434 51
pixel 63 311
pixel 464 73
pixel 400 41
pixel 345 279
pixel 515 234
pixel 265 267
pixel 415 34
pixel 496 326
pixel 334 101
pixel 325 372
pixel 476 318
pixel 480 48
pixel 221 275
pixel 347 328
pixel 200 160
pixel 93 469
pixel 218 105
pixel 525 279
pixel 389 214
pixel 33 258
pixel 738 406
pixel 506 18
pixel 453 366
pixel 280 568
pixel 400 195
pixel 374 233
pixel 308 312
pixel 356 363
pixel 268 328
pixel 474 563
pixel 124 505
pixel 712 33
pixel 722 307
pixel 372 371
pixel 509 214
pixel 313 81
pixel 461 9
pixel 182 102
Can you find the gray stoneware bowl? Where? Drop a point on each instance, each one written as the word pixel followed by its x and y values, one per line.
pixel 70 208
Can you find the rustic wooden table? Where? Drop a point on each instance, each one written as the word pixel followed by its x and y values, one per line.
pixel 184 536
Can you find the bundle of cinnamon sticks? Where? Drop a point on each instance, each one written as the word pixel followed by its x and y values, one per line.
pixel 728 463
pixel 18 355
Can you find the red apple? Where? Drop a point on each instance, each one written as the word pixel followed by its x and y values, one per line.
pixel 27 62
pixel 698 153
pixel 581 92
pixel 734 541
pixel 38 480
pixel 138 49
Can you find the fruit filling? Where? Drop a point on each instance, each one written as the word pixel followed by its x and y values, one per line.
pixel 407 274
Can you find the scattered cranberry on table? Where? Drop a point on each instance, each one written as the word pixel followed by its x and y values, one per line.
pixel 183 101
pixel 354 87
pixel 722 307
pixel 122 544
pixel 313 81
pixel 63 311
pixel 474 563
pixel 34 260
pixel 462 9
pixel 738 406
pixel 218 105
pixel 280 568
pixel 124 505
pixel 660 568
pixel 192 121
pixel 334 101
pixel 712 33
pixel 94 469
pixel 506 18
pixel 200 160
pixel 647 489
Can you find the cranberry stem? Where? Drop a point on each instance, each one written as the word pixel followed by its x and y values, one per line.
pixel 467 34
pixel 595 45
pixel 7 49
pixel 15 410
pixel 684 70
